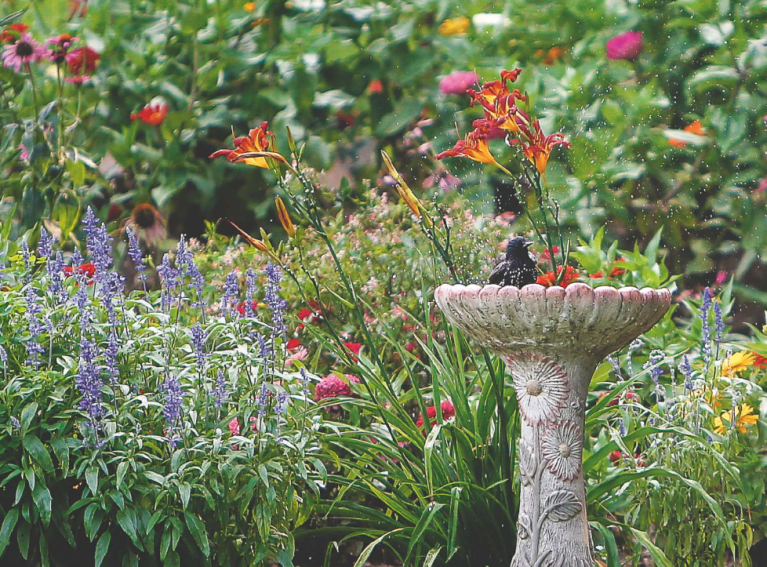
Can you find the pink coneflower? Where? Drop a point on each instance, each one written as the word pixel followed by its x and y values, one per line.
pixel 626 46
pixel 458 83
pixel 25 51
pixel 59 47
pixel 147 223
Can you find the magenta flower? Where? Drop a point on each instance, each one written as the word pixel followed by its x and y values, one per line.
pixel 626 46
pixel 458 82
pixel 25 51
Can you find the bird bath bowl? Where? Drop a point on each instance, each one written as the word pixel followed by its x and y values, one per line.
pixel 552 339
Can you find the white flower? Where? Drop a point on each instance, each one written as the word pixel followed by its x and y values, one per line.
pixel 488 20
pixel 562 449
pixel 541 387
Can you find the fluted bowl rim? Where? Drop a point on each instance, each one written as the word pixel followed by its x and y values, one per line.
pixel 600 319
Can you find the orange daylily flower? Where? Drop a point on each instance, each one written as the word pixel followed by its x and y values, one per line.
pixel 473 146
pixel 551 56
pixel 257 142
pixel 491 90
pixel 693 128
pixel 537 147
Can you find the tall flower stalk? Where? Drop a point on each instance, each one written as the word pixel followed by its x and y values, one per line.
pixel 501 107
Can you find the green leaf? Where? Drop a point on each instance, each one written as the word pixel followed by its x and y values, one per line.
pixel 76 170
pixel 657 555
pixel 426 518
pixel 122 469
pixel 102 546
pixel 197 529
pixel 9 522
pixel 42 498
pixel 431 557
pixel 34 447
pixel 22 538
pixel 371 546
pixel 66 211
pixel 27 414
pixel 714 77
pixel 92 479
pixel 399 119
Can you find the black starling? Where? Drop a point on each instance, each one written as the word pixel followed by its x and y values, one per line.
pixel 517 267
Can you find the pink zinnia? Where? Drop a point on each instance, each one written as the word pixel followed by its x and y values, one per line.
pixel 458 82
pixel 626 46
pixel 25 51
pixel 331 386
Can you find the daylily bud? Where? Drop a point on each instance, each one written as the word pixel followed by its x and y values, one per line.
pixel 282 213
pixel 404 190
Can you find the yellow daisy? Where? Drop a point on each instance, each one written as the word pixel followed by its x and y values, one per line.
pixel 744 416
pixel 737 362
pixel 456 26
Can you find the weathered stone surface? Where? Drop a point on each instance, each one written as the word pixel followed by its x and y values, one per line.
pixel 552 340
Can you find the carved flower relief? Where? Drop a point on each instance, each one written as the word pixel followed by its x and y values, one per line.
pixel 562 450
pixel 524 526
pixel 527 464
pixel 541 386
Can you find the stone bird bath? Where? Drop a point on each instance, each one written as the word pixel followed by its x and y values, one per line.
pixel 552 339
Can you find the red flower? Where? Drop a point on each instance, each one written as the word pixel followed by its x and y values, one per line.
pixel 311 314
pixel 87 269
pixel 354 348
pixel 615 456
pixel 241 307
pixel 82 61
pixel 331 386
pixel 410 347
pixel 12 33
pixel 153 114
pixel 375 87
pixel 293 344
pixel 545 256
pixel 760 361
pixel 548 279
pixel 614 272
pixel 344 120
pixel 448 411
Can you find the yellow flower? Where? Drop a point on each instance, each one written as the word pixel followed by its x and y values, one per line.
pixel 737 362
pixel 249 6
pixel 744 416
pixel 457 26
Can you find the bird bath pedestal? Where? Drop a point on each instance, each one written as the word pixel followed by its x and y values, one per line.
pixel 552 340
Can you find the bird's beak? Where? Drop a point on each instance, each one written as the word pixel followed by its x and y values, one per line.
pixel 528 244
